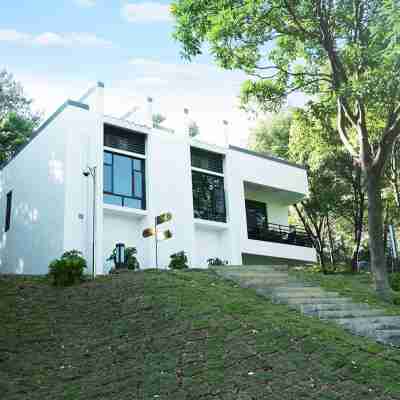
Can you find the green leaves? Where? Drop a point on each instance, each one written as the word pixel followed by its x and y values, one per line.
pixel 17 121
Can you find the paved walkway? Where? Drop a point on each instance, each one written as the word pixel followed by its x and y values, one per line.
pixel 274 282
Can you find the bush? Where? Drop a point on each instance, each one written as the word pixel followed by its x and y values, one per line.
pixel 68 269
pixel 131 261
pixel 394 280
pixel 216 261
pixel 178 261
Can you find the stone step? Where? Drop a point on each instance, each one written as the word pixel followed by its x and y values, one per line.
pixel 388 336
pixel 268 286
pixel 354 312
pixel 369 325
pixel 297 294
pixel 261 277
pixel 312 309
pixel 317 300
pixel 294 290
pixel 252 268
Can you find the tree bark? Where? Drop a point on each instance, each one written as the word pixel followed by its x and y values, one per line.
pixel 375 230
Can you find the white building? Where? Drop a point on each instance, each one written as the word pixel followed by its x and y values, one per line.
pixel 226 202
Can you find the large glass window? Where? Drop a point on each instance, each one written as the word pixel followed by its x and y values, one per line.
pixel 208 197
pixel 124 180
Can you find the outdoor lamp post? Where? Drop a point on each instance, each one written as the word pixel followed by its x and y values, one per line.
pixel 91 171
pixel 120 256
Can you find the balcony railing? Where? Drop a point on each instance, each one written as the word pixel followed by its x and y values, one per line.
pixel 293 235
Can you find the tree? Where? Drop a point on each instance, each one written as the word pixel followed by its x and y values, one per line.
pixel 271 134
pixel 313 141
pixel 348 49
pixel 17 121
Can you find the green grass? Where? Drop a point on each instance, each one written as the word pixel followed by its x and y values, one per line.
pixel 359 286
pixel 177 335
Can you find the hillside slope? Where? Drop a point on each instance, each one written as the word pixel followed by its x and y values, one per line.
pixel 186 335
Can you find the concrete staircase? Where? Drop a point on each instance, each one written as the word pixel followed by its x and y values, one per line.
pixel 274 282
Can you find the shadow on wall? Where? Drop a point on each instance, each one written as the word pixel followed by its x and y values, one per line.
pixel 29 244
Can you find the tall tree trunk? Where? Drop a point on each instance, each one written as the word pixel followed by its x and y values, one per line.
pixel 375 230
pixel 328 224
pixel 354 257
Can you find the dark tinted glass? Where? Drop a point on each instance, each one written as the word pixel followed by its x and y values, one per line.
pixel 206 160
pixel 208 197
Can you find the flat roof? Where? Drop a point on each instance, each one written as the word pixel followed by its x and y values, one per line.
pixel 267 156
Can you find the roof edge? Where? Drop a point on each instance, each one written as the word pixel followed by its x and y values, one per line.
pixel 45 124
pixel 267 156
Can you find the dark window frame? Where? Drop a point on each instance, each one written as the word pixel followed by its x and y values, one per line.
pixel 8 211
pixel 256 206
pixel 133 170
pixel 206 160
pixel 124 139
pixel 210 212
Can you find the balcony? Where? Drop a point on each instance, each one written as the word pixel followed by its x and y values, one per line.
pixel 276 233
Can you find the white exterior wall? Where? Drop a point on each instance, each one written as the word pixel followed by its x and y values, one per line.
pixel 53 201
pixel 37 177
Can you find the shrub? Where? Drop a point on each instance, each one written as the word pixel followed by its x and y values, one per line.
pixel 68 269
pixel 394 280
pixel 178 261
pixel 396 300
pixel 131 261
pixel 216 261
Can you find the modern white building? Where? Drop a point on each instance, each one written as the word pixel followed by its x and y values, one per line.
pixel 226 202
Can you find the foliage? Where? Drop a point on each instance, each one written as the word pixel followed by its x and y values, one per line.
pixel 345 50
pixel 158 119
pixel 131 261
pixel 68 269
pixel 216 261
pixel 17 121
pixel 395 281
pixel 271 134
pixel 178 261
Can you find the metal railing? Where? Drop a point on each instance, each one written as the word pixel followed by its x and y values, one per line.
pixel 293 235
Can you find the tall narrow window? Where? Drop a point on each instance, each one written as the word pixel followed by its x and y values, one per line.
pixel 8 211
pixel 124 181
pixel 208 197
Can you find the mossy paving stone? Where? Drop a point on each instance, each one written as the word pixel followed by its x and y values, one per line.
pixel 190 335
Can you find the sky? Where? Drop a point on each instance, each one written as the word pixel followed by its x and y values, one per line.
pixel 57 50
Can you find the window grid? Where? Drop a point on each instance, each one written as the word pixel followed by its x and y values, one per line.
pixel 134 171
pixel 208 197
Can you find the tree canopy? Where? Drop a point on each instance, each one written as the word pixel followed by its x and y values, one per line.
pixel 17 120
pixel 347 51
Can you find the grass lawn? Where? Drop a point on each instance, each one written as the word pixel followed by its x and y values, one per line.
pixel 357 286
pixel 184 335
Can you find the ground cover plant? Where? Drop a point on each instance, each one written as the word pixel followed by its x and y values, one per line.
pixel 177 335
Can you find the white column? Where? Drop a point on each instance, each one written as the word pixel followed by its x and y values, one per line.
pixel 98 162
pixel 226 132
pixel 186 121
pixel 149 112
